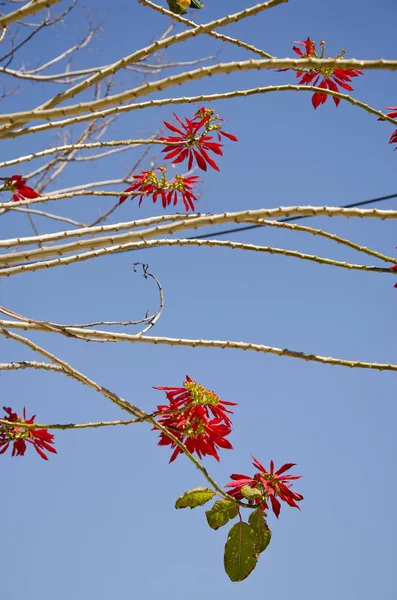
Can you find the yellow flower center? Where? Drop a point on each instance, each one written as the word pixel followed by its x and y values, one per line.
pixel 200 395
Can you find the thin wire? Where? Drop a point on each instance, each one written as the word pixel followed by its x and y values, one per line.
pixel 287 219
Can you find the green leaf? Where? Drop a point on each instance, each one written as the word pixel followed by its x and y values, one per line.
pixel 221 513
pixel 193 498
pixel 261 530
pixel 240 552
pixel 250 493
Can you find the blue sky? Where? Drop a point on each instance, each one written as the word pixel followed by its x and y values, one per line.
pixel 97 520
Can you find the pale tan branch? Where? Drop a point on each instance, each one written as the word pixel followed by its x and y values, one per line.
pixel 71 76
pixel 93 230
pixel 183 224
pixel 193 99
pixel 131 246
pixel 196 343
pixel 330 236
pixel 27 241
pixel 27 10
pixel 30 364
pixel 181 78
pixel 87 146
pixel 64 426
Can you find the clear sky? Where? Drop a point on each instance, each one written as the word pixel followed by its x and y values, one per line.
pixel 98 519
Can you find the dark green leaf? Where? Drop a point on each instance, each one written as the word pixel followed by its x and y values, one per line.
pixel 221 513
pixel 250 493
pixel 260 529
pixel 193 498
pixel 240 552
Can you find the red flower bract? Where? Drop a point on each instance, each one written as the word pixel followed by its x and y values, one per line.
pixel 41 439
pixel 16 184
pixel 392 115
pixel 323 77
pixel 196 417
pixel 193 140
pixel 271 484
pixel 148 183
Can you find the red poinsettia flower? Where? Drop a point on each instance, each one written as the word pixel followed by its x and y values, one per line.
pixel 323 77
pixel 194 141
pixel 16 184
pixel 271 484
pixel 149 184
pixel 41 439
pixel 197 417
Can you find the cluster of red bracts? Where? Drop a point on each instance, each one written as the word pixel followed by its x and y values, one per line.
pixel 194 142
pixel 148 183
pixel 272 485
pixel 326 78
pixel 196 417
pixel 41 439
pixel 17 185
pixel 200 420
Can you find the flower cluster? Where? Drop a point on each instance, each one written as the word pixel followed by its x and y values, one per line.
pixel 17 185
pixel 327 78
pixel 148 183
pixel 196 417
pixel 194 141
pixel 271 484
pixel 40 439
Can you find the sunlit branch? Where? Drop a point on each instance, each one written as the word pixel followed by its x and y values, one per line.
pixel 188 223
pixel 193 99
pixel 64 426
pixel 87 146
pixel 104 336
pixel 330 236
pixel 28 9
pixel 181 78
pixel 128 247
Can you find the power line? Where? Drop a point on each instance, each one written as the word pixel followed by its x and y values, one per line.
pixel 287 219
